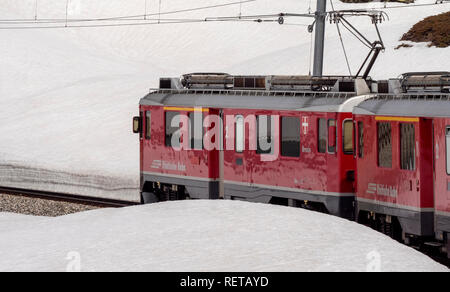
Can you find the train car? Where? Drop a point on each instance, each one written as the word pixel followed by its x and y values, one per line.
pixel 402 159
pixel 308 161
pixel 166 172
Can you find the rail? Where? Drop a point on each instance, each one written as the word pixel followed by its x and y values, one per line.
pixel 67 197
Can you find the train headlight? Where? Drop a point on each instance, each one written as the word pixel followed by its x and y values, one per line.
pixel 136 125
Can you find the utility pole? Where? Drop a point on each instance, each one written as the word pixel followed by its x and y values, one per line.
pixel 319 37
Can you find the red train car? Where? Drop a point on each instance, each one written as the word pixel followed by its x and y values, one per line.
pixel 402 160
pixel 309 169
pixel 308 160
pixel 166 173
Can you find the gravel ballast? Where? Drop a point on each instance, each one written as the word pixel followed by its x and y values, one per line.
pixel 40 207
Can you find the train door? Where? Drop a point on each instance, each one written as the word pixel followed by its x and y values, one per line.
pixel 195 155
pixel 333 170
pixel 265 164
pixel 426 179
pixel 212 148
pixel 172 139
pixel 235 160
pixel 320 160
pixel 347 153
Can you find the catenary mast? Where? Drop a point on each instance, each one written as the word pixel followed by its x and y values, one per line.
pixel 319 37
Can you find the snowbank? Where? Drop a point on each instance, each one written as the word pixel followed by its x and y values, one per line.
pixel 201 236
pixel 67 95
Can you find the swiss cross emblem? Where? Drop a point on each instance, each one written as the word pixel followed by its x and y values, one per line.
pixel 305 125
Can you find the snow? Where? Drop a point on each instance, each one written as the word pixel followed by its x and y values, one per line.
pixel 200 236
pixel 67 95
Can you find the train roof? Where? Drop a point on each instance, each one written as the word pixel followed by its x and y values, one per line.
pixel 245 99
pixel 423 105
pixel 415 94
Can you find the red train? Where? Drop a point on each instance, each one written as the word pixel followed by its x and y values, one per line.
pixel 359 149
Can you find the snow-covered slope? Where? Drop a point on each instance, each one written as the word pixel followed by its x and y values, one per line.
pixel 67 95
pixel 201 236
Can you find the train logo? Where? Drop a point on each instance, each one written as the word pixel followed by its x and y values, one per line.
pixel 382 190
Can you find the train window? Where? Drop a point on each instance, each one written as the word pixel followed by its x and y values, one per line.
pixel 331 136
pixel 384 145
pixel 348 137
pixel 148 125
pixel 290 137
pixel 448 149
pixel 407 147
pixel 360 139
pixel 264 134
pixel 240 134
pixel 196 130
pixel 170 131
pixel 322 136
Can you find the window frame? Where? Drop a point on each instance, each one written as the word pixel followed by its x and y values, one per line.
pixel 447 149
pixel 319 135
pixel 401 146
pixel 378 145
pixel 236 149
pixel 360 149
pixel 299 137
pixel 336 136
pixel 269 122
pixel 148 125
pixel 166 143
pixel 191 128
pixel 352 138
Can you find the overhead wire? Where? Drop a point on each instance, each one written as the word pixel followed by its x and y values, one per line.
pixel 136 20
pixel 159 13
pixel 115 18
pixel 156 22
pixel 256 18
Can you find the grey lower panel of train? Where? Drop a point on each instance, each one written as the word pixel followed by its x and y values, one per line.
pixel 197 189
pixel 414 222
pixel 209 189
pixel 341 206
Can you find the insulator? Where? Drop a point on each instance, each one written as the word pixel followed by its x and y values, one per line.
pixel 281 20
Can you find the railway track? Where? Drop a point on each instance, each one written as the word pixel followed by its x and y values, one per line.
pixel 100 202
